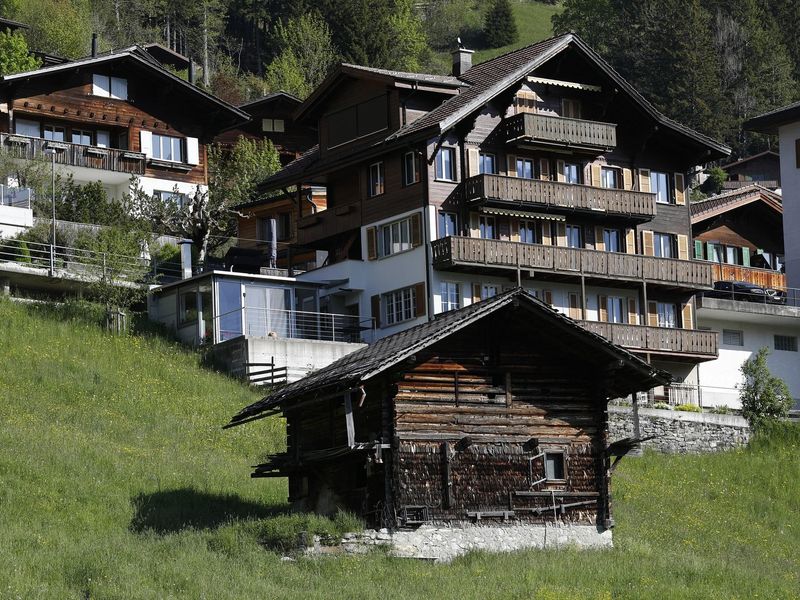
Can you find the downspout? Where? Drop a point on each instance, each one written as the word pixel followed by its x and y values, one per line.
pixel 427 242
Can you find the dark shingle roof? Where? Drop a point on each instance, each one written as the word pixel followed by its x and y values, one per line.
pixel 387 352
pixel 769 122
pixel 714 205
pixel 445 80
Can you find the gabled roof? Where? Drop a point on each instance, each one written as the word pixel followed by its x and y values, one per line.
pixel 362 365
pixel 214 111
pixel 721 203
pixel 272 97
pixel 741 161
pixel 769 122
pixel 167 56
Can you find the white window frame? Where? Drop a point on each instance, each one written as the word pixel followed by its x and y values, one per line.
pixel 445 170
pixel 607 237
pixel 663 196
pixel 273 125
pixel 442 219
pixel 450 292
pixel 483 159
pixel 659 241
pixel 568 178
pixel 376 179
pixel 732 337
pixel 667 314
pixel 394 237
pixel 523 162
pixel 400 306
pixel 174 142
pixel 410 168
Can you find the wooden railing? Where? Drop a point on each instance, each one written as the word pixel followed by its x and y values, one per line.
pixel 538 192
pixel 766 278
pixel 455 251
pixel 75 155
pixel 328 222
pixel 657 339
pixel 560 130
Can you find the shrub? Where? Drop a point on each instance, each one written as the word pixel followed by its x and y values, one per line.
pixel 500 28
pixel 689 408
pixel 662 406
pixel 282 533
pixel 765 398
pixel 721 410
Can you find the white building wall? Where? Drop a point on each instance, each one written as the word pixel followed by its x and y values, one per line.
pixel 14 220
pixel 790 184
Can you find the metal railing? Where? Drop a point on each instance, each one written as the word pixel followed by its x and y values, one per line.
pixel 561 131
pixel 293 324
pixel 16 197
pixel 75 155
pixel 754 294
pixel 657 339
pixel 557 194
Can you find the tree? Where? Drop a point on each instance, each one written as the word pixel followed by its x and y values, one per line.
pixel 500 28
pixel 764 397
pixel 14 55
pixel 61 27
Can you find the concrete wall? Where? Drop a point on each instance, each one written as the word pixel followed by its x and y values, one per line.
pixel 14 220
pixel 679 432
pixel 790 185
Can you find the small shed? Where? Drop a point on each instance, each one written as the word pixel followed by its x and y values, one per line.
pixel 496 412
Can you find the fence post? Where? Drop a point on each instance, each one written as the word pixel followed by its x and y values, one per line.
pixel 104 265
pixel 52 259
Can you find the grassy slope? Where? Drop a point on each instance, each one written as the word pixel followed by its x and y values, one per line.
pixel 117 482
pixel 533 24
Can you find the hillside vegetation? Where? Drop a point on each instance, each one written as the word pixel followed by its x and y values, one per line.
pixel 118 482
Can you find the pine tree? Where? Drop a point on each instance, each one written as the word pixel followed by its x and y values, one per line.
pixel 500 28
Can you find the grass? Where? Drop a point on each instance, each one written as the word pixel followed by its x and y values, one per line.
pixel 116 481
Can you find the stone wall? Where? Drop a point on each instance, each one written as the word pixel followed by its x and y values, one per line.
pixel 679 432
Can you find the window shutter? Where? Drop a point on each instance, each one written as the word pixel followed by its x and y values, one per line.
pixel 419 299
pixel 633 316
pixel 680 190
pixel 101 85
pixel 476 292
pixel 473 161
pixel 745 256
pixel 511 165
pixel 647 243
pixel 192 151
pixel 698 250
pixel 683 247
pixel 561 234
pixel 687 320
pixel 474 226
pixel 372 243
pixel 652 314
pixel 416 230
pixel 644 180
pixel 146 143
pixel 574 306
pixel 627 179
pixel 630 240
pixel 599 240
pixel 560 171
pixel 544 169
pixel 376 310
pixel 602 308
pixel 547 296
pixel 597 178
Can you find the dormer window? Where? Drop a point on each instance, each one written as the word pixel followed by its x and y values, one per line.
pixel 109 87
pixel 273 125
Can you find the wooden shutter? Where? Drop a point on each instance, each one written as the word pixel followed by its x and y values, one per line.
pixel 192 151
pixel 687 320
pixel 683 247
pixel 476 292
pixel 647 243
pixel 511 165
pixel 474 225
pixel 560 171
pixel 644 180
pixel 630 240
pixel 146 143
pixel 597 175
pixel 574 306
pixel 376 310
pixel 416 230
pixel 561 234
pixel 633 316
pixel 627 179
pixel 473 161
pixel 599 239
pixel 547 233
pixel 698 250
pixel 544 169
pixel 372 243
pixel 652 314
pixel 547 296
pixel 602 308
pixel 680 189
pixel 745 256
pixel 419 299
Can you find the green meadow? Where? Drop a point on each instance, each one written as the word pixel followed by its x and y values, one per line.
pixel 117 481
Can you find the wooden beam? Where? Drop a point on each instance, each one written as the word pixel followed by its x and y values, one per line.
pixel 348 416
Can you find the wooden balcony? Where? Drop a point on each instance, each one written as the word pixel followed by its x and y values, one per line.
pixel 75 155
pixel 658 340
pixel 475 254
pixel 537 193
pixel 328 223
pixel 766 278
pixel 576 134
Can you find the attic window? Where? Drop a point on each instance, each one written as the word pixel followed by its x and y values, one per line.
pixel 109 87
pixel 273 125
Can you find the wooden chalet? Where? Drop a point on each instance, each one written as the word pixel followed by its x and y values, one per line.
pixel 763 168
pixel 492 412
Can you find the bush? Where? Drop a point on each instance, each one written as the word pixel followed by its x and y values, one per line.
pixel 662 406
pixel 721 410
pixel 500 28
pixel 689 408
pixel 765 398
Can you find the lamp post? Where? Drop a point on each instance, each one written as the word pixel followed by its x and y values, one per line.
pixel 51 151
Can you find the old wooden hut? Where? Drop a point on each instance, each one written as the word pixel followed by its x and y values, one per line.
pixel 495 412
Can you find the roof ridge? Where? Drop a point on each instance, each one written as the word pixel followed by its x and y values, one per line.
pixel 505 54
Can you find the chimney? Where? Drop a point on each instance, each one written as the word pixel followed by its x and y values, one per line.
pixel 462 61
pixel 191 71
pixel 186 258
pixel 94 44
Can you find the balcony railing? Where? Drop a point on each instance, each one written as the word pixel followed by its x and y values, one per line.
pixel 15 197
pixel 75 155
pixel 456 252
pixel 766 278
pixel 540 193
pixel 690 342
pixel 562 131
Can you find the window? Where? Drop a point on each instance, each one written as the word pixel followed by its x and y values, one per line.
pixel 410 169
pixel 395 237
pixel 574 236
pixel 732 255
pixel 103 139
pixel 448 224
pixel 81 136
pixel 529 232
pixel 376 180
pixel 667 314
pixel 167 147
pixel 554 466
pixel 733 337
pixel 272 125
pixel 451 296
pixel 609 178
pixel 611 240
pixel 400 305
pixel 110 87
pixel 54 133
pixel 175 198
pixel 714 252
pixel 187 307
pixel 486 163
pixel 26 127
pixel 659 185
pixel 489 290
pixel 571 173
pixel 446 164
pixel 486 227
pixel 663 245
pixel 570 109
pixel 787 343
pixel 525 168
pixel 616 309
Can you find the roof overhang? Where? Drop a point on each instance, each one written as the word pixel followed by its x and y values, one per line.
pixel 770 122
